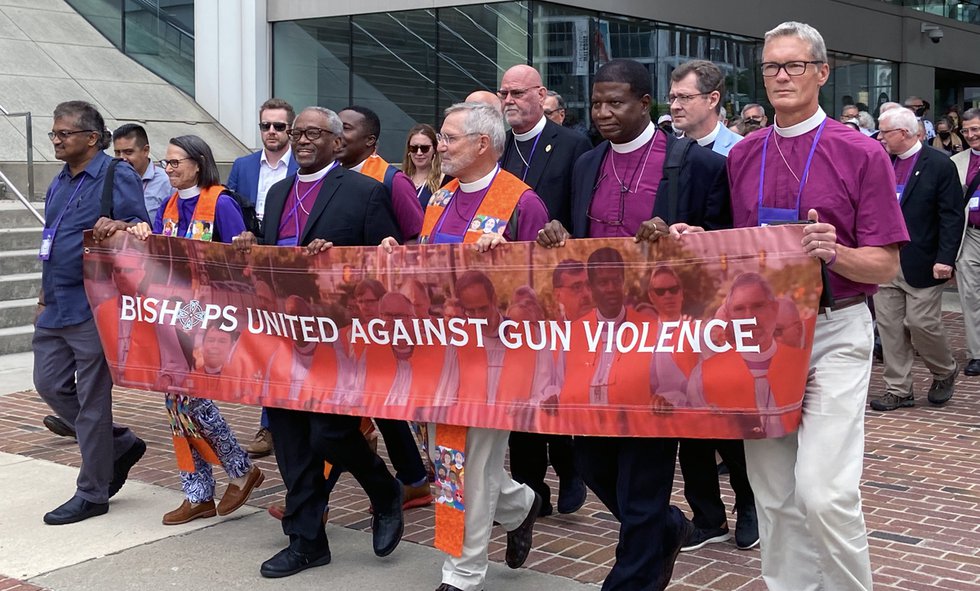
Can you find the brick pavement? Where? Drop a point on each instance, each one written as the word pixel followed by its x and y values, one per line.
pixel 921 493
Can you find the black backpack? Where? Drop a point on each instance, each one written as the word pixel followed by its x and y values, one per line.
pixel 252 223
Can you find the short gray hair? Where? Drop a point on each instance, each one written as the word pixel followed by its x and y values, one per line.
pixel 888 107
pixel 482 119
pixel 753 106
pixel 969 114
pixel 558 98
pixel 865 120
pixel 818 49
pixel 901 118
pixel 334 124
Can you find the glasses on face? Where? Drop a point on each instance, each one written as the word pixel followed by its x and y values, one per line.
pixel 311 133
pixel 63 134
pixel 887 131
pixel 172 163
pixel 684 98
pixel 794 68
pixel 970 130
pixel 755 120
pixel 449 140
pixel 662 291
pixel 914 107
pixel 516 93
pixel 277 125
pixel 550 112
pixel 419 148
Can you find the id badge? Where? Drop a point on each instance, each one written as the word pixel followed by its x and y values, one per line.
pixel 47 239
pixel 974 202
pixel 899 190
pixel 770 215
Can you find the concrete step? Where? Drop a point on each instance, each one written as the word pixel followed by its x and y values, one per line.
pixel 19 261
pixel 17 312
pixel 20 286
pixel 16 339
pixel 20 238
pixel 13 214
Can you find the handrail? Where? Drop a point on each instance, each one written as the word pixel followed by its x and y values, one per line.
pixel 22 199
pixel 29 133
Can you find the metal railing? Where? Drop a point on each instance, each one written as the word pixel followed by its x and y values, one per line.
pixel 21 198
pixel 29 134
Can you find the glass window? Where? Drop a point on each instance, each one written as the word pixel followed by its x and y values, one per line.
pixel 562 55
pixel 162 39
pixel 311 62
pixel 104 15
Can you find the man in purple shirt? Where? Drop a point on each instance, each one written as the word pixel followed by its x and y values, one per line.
pixel 968 264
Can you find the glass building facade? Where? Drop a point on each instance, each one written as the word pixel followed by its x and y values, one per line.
pixel 409 66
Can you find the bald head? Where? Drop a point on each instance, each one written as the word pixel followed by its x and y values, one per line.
pixel 522 94
pixel 486 97
pixel 395 306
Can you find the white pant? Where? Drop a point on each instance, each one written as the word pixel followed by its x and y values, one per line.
pixel 490 494
pixel 968 285
pixel 806 484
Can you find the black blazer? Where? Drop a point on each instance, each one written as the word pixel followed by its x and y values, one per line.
pixel 350 210
pixel 703 182
pixel 550 174
pixel 933 207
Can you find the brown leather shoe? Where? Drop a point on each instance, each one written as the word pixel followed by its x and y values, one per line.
pixel 417 496
pixel 261 446
pixel 189 512
pixel 279 509
pixel 235 497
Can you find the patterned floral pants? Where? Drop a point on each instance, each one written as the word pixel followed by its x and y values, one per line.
pixel 199 485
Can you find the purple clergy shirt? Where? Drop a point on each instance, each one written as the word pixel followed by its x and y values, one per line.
pixel 973 216
pixel 903 169
pixel 851 185
pixel 405 202
pixel 291 224
pixel 228 218
pixel 532 215
pixel 613 214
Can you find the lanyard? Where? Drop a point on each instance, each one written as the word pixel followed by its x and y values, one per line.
pixel 299 201
pixel 530 156
pixel 806 169
pixel 442 218
pixel 57 221
pixel 908 175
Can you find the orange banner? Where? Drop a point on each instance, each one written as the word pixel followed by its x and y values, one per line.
pixel 708 337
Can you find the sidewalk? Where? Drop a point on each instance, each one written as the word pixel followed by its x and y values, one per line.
pixel 921 492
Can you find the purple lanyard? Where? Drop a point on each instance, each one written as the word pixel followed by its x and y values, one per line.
pixel 442 218
pixel 299 201
pixel 57 221
pixel 806 169
pixel 908 175
pixel 529 156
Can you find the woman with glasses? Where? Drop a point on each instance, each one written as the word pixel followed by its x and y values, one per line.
pixel 422 162
pixel 202 210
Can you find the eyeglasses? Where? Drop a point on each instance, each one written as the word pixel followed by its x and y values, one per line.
pixel 662 291
pixel 684 98
pixel 277 125
pixel 970 130
pixel 794 68
pixel 311 133
pixel 64 134
pixel 887 131
pixel 516 93
pixel 756 120
pixel 419 148
pixel 550 112
pixel 174 163
pixel 622 207
pixel 449 140
pixel 914 107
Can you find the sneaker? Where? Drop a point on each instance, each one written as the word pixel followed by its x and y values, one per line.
pixel 746 528
pixel 261 445
pixel 890 401
pixel 700 538
pixel 942 390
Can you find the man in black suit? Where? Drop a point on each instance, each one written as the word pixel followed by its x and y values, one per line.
pixel 909 308
pixel 345 209
pixel 542 154
pixel 635 184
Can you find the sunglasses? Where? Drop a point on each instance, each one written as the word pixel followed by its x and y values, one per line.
pixel 420 148
pixel 662 291
pixel 277 125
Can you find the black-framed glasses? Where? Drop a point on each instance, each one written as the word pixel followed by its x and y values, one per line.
pixel 419 148
pixel 451 139
pixel 662 291
pixel 515 93
pixel 277 125
pixel 622 207
pixel 756 120
pixel 64 134
pixel 793 68
pixel 311 133
pixel 172 163
pixel 684 98
pixel 550 112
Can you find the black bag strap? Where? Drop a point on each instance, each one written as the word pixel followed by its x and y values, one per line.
pixel 971 188
pixel 676 154
pixel 107 185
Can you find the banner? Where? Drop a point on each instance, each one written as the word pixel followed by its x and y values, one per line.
pixel 707 337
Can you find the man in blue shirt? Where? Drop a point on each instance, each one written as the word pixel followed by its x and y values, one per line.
pixel 130 143
pixel 70 370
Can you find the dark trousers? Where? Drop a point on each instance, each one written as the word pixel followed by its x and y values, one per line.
pixel 303 440
pixel 697 459
pixel 72 377
pixel 529 457
pixel 633 477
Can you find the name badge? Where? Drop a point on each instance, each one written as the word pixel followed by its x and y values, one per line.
pixel 47 239
pixel 770 215
pixel 974 202
pixel 899 190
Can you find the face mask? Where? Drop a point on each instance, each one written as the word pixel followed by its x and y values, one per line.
pixel 944 134
pixel 919 112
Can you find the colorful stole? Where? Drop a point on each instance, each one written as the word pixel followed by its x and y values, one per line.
pixel 493 214
pixel 201 225
pixel 375 167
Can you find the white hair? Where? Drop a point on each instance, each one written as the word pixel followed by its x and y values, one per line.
pixel 334 124
pixel 888 107
pixel 865 120
pixel 901 118
pixel 482 119
pixel 818 49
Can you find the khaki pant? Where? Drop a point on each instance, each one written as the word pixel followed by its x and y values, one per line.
pixel 911 317
pixel 968 284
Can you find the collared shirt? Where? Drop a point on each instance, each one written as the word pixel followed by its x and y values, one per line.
pixel 268 176
pixel 156 189
pixel 61 279
pixel 709 139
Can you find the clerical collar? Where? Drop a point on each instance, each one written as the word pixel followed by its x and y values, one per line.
pixel 315 176
pixel 359 166
pixel 480 183
pixel 975 152
pixel 189 193
pixel 531 133
pixel 911 151
pixel 805 126
pixel 619 317
pixel 711 137
pixel 637 143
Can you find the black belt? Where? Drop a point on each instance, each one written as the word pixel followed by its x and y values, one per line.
pixel 846 303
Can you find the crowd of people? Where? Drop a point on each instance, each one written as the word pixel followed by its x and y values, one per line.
pixel 888 213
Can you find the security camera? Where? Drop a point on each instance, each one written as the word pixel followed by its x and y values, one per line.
pixel 936 35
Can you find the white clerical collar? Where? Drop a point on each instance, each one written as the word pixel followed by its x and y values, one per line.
pixel 619 317
pixel 711 137
pixel 359 166
pixel 480 183
pixel 189 193
pixel 531 133
pixel 264 158
pixel 315 176
pixel 975 152
pixel 637 143
pixel 805 126
pixel 911 151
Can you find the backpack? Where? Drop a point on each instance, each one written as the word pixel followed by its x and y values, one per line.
pixel 676 154
pixel 251 219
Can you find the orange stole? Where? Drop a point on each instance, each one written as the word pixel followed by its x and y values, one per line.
pixel 319 384
pixel 203 212
pixel 450 521
pixel 375 167
pixel 516 377
pixel 251 356
pixel 142 366
pixel 380 366
pixel 499 203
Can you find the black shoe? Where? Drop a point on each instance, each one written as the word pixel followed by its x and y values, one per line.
pixel 125 463
pixel 890 401
pixel 942 390
pixel 972 368
pixel 746 528
pixel 571 495
pixel 687 530
pixel 519 539
pixel 75 510
pixel 388 526
pixel 289 562
pixel 447 587
pixel 699 538
pixel 58 426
